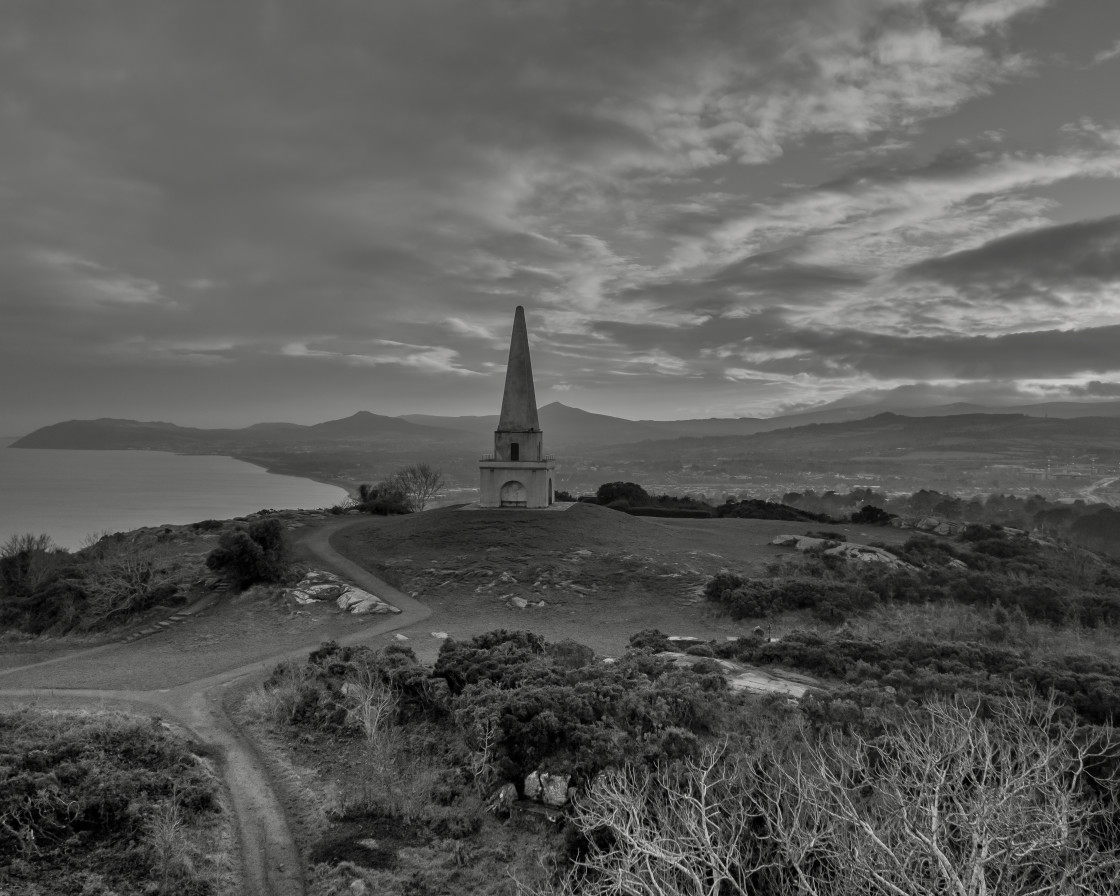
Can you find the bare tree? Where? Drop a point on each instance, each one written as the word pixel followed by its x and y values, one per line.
pixel 418 483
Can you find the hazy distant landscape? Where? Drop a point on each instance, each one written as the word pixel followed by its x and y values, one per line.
pixel 1062 451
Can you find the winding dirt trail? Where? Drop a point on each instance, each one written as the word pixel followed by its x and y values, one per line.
pixel 270 860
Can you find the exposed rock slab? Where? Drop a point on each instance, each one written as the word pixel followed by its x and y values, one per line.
pixel 318 587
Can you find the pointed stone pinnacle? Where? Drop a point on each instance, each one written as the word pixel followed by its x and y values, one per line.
pixel 519 401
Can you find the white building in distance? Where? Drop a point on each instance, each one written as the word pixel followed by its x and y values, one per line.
pixel 518 473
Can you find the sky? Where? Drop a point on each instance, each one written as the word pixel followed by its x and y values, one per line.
pixel 219 213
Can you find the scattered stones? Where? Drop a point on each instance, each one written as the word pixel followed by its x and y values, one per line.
pixel 860 553
pixel 519 602
pixel 442 636
pixel 400 637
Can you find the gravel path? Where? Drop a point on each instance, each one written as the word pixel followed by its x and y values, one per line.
pixel 193 672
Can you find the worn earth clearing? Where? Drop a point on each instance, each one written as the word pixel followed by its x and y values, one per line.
pixel 590 574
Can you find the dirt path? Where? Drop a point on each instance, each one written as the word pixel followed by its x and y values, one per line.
pixel 270 860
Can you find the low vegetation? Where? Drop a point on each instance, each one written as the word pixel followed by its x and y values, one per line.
pixel 47 589
pixel 986 566
pixel 678 781
pixel 116 578
pixel 104 803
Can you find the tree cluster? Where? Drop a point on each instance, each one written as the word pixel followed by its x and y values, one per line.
pixel 407 491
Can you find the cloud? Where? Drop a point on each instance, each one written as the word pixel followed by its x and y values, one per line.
pixel 1029 355
pixel 980 16
pixel 1097 389
pixel 426 358
pixel 1058 254
pixel 669 187
pixel 1105 55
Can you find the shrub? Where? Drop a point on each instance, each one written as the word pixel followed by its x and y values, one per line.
pixel 630 492
pixel 755 509
pixel 871 516
pixel 253 555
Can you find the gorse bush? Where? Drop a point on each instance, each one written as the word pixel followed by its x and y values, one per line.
pixel 252 555
pixel 98 794
pixel 516 702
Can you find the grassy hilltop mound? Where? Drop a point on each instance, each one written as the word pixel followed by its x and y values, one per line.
pixel 534 531
pixel 521 536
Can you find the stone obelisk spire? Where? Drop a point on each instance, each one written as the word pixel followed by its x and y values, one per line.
pixel 518 473
pixel 519 401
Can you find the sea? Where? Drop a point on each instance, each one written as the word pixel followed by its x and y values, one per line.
pixel 70 495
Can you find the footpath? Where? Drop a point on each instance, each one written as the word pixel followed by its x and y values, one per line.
pixel 201 684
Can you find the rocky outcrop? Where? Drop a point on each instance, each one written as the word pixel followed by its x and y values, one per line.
pixel 318 587
pixel 854 553
pixel 550 789
pixel 933 525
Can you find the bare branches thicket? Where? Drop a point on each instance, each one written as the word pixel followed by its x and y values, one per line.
pixel 951 800
pixel 680 830
pixel 119 579
pixel 30 561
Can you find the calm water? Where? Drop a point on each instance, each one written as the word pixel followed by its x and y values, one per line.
pixel 70 494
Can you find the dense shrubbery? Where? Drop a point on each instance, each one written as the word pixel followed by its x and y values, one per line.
pixel 86 802
pixel 830 601
pixel 521 702
pixel 755 509
pixel 635 500
pixel 252 555
pixel 869 515
pixel 924 669
pixel 988 567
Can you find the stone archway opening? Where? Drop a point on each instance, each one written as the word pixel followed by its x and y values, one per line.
pixel 514 494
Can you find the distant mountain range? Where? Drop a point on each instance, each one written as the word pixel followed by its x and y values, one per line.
pixel 564 427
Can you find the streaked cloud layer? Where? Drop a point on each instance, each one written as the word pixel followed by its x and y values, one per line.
pixel 219 212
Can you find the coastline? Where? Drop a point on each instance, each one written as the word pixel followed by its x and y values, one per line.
pixel 348 486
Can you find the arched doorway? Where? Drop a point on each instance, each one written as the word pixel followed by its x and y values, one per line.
pixel 513 494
